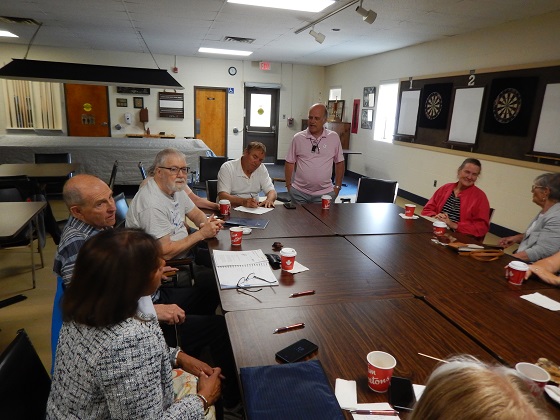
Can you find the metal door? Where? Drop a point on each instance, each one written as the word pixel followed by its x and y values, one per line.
pixel 261 119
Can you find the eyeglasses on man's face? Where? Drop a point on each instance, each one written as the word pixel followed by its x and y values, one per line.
pixel 175 170
pixel 535 187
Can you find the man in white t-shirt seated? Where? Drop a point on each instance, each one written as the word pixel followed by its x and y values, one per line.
pixel 241 180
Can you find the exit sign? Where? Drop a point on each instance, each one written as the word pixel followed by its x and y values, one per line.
pixel 265 65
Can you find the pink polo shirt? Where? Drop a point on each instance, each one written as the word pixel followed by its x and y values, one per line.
pixel 314 170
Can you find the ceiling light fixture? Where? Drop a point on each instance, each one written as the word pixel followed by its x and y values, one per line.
pixel 312 6
pixel 319 37
pixel 369 16
pixel 328 15
pixel 223 51
pixel 8 34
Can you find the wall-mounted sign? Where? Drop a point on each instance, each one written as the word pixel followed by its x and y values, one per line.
pixel 133 90
pixel 171 105
pixel 264 65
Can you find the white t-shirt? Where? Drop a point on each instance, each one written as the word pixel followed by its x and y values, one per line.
pixel 232 180
pixel 158 213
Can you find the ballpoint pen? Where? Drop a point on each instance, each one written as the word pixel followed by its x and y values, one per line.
pixel 307 292
pixel 288 328
pixel 376 412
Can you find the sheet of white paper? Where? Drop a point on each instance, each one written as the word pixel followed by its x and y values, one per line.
pixel 346 394
pixel 373 406
pixel 543 301
pixel 418 390
pixel 258 210
pixel 298 268
pixel 408 217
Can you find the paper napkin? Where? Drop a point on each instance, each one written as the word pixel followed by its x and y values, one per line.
pixel 406 217
pixel 542 300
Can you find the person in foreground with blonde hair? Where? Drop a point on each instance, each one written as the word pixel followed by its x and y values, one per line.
pixel 468 389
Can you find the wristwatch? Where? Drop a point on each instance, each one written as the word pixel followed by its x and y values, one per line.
pixel 338 187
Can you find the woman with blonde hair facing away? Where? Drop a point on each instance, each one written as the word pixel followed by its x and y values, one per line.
pixel 461 205
pixel 542 238
pixel 467 389
pixel 112 360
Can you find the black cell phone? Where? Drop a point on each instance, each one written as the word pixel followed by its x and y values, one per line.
pixel 289 205
pixel 401 394
pixel 297 351
pixel 274 260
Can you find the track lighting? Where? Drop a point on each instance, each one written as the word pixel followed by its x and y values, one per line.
pixel 319 37
pixel 369 16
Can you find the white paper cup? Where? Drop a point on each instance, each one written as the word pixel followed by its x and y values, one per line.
pixel 536 376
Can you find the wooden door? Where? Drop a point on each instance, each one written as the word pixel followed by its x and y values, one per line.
pixel 87 110
pixel 211 118
pixel 261 119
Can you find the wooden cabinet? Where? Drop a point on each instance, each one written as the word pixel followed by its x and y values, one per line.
pixel 341 128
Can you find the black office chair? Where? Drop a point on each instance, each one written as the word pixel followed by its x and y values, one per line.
pixel 122 209
pixel 53 186
pixel 113 176
pixel 212 190
pixel 372 190
pixel 24 381
pixel 209 166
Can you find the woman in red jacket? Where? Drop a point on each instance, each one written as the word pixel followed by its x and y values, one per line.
pixel 461 205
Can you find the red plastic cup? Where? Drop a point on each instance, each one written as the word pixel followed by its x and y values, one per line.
pixel 380 370
pixel 536 377
pixel 225 207
pixel 326 202
pixel 515 272
pixel 409 210
pixel 288 258
pixel 236 235
pixel 439 228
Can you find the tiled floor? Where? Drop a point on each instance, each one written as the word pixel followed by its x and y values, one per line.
pixel 34 313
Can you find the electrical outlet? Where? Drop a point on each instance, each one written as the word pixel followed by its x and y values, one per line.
pixel 435 183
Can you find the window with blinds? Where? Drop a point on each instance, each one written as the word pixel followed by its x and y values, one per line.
pixel 32 105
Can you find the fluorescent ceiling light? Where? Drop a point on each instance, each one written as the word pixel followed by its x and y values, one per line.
pixel 222 51
pixel 8 34
pixel 299 5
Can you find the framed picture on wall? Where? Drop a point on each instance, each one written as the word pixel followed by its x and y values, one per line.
pixel 122 102
pixel 369 97
pixel 335 111
pixel 138 102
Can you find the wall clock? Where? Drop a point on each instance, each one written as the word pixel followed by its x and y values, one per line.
pixel 232 71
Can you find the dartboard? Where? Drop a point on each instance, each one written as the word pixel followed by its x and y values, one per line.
pixel 507 105
pixel 433 105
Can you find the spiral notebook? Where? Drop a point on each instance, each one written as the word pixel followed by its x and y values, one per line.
pixel 242 269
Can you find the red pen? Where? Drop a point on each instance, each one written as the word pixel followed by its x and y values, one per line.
pixel 288 328
pixel 376 412
pixel 307 292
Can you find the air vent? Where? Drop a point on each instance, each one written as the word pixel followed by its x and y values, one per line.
pixel 237 39
pixel 25 21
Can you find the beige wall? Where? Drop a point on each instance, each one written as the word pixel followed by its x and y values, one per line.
pixel 512 45
pixel 301 86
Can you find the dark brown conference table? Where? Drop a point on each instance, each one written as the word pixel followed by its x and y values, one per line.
pixel 512 329
pixel 15 217
pixel 283 223
pixel 426 268
pixel 367 219
pixel 346 332
pixel 38 170
pixel 338 272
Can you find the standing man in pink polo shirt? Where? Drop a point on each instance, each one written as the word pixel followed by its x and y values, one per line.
pixel 312 154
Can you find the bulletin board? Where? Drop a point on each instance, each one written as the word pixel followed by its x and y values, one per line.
pixel 512 113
